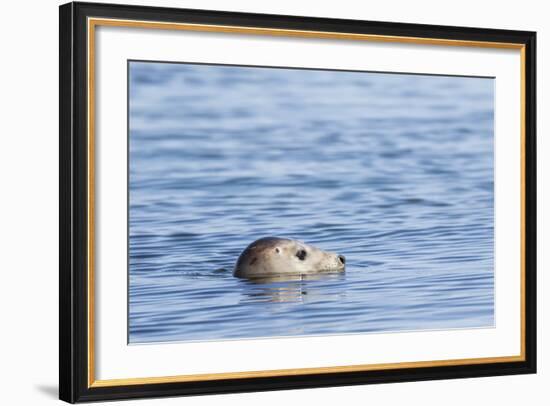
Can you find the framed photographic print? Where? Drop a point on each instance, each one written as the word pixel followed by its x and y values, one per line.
pixel 254 202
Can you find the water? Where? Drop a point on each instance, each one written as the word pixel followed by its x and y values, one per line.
pixel 393 171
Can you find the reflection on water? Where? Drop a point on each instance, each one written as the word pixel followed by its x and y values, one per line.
pixel 290 288
pixel 393 171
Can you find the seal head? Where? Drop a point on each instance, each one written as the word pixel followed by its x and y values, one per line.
pixel 273 256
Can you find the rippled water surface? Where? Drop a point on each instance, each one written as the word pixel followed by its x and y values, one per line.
pixel 393 171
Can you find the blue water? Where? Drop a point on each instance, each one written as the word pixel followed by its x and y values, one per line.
pixel 393 171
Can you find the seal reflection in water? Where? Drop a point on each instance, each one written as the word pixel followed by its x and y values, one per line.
pixel 271 257
pixel 293 288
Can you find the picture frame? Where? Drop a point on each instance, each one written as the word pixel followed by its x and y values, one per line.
pixel 79 281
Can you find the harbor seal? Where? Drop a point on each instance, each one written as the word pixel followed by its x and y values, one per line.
pixel 273 256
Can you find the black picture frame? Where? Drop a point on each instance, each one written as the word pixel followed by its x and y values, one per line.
pixel 74 199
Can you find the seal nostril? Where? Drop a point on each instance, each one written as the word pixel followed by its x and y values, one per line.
pixel 342 259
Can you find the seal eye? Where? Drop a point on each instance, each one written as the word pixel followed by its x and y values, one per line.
pixel 301 254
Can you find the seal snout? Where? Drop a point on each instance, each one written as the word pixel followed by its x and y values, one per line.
pixel 342 259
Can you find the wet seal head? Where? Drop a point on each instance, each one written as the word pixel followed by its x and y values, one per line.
pixel 273 256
